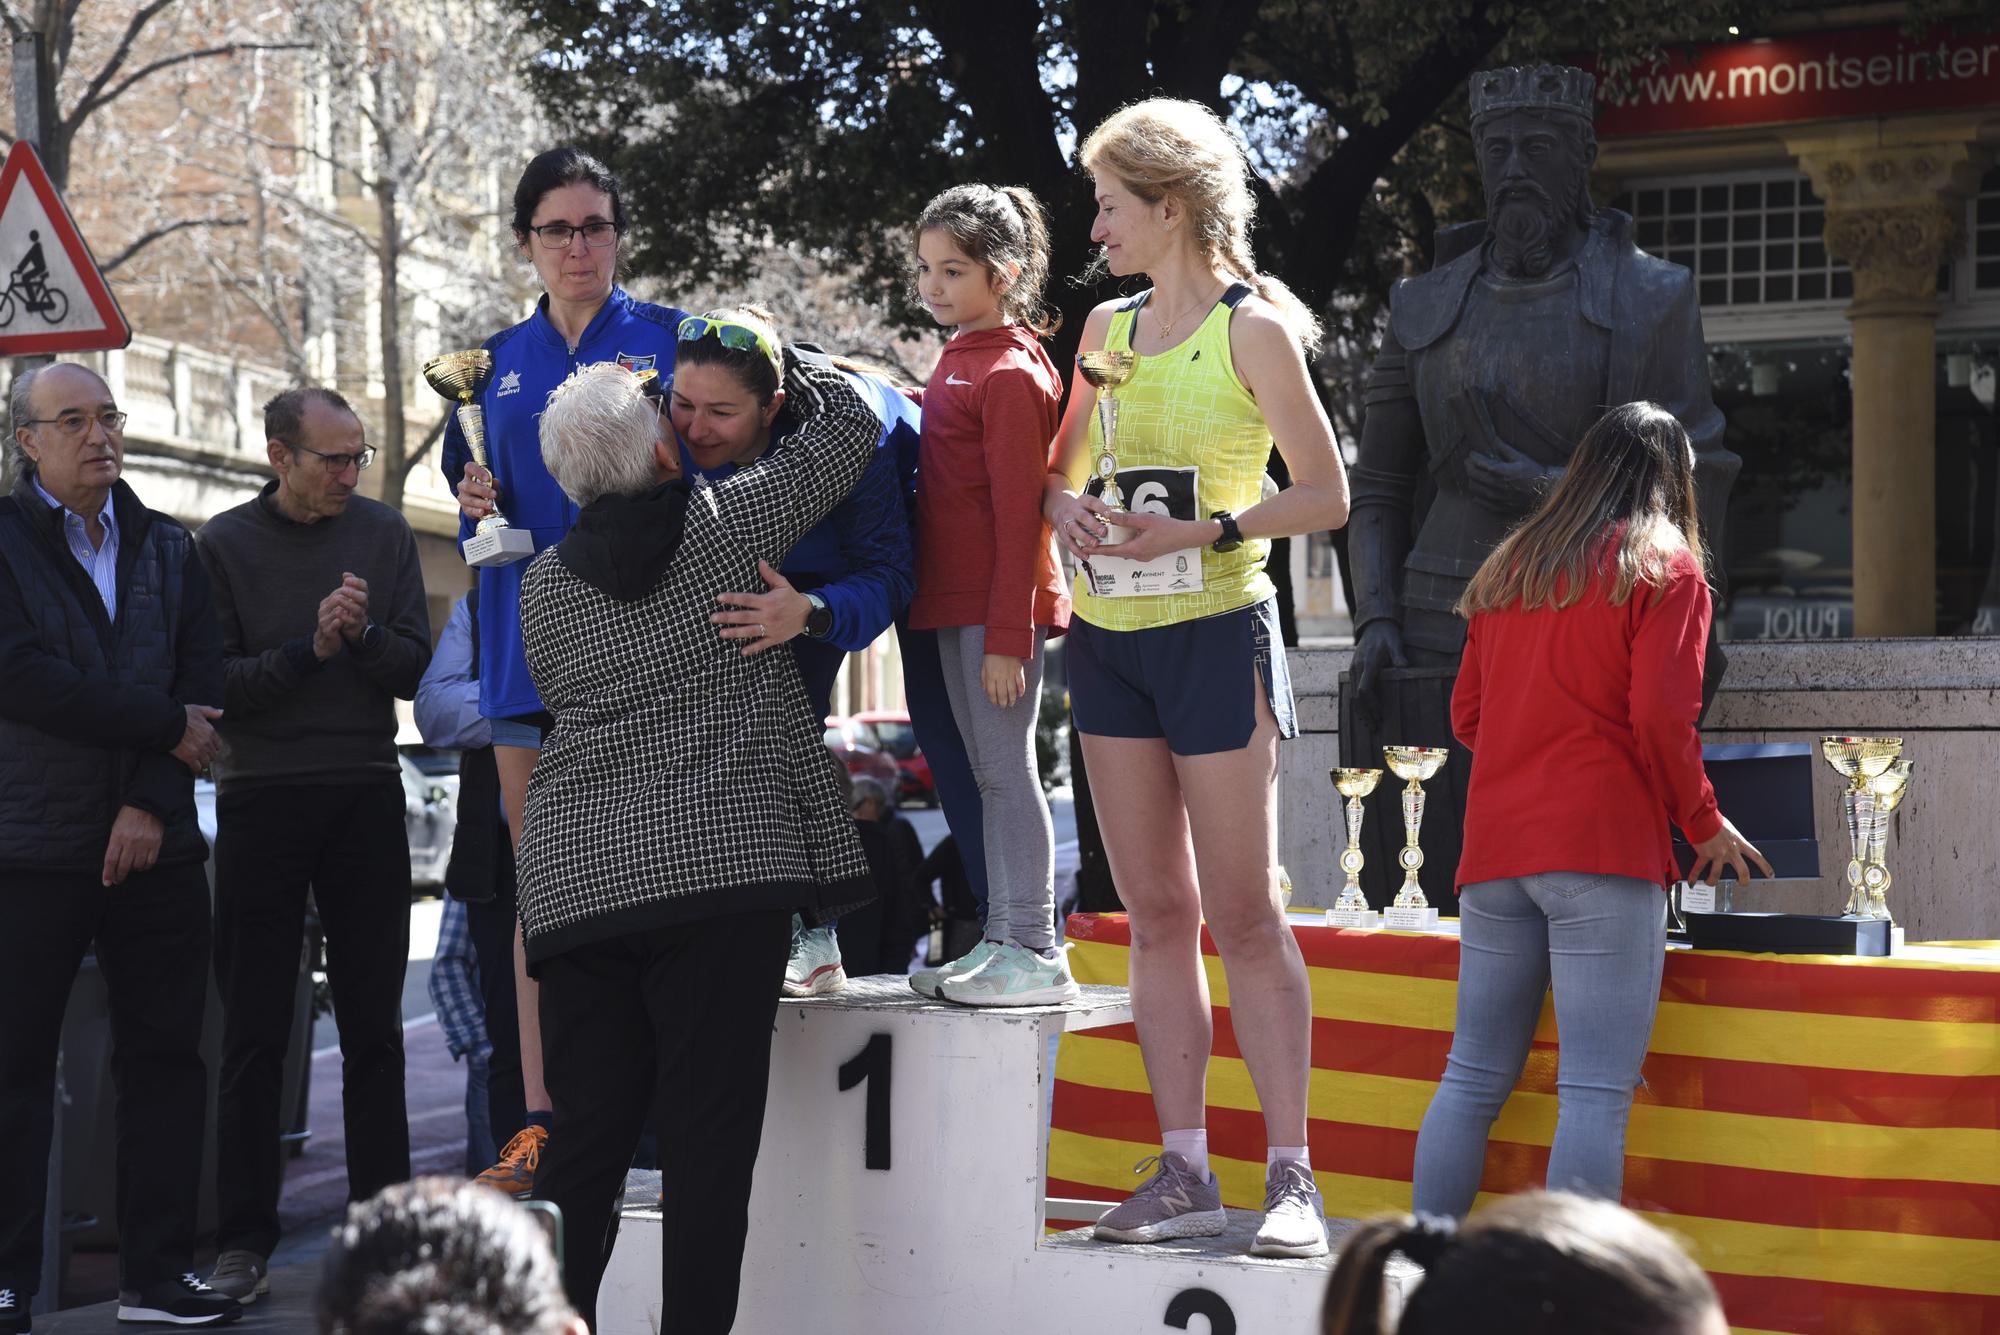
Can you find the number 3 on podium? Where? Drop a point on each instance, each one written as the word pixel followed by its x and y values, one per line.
pixel 872 1065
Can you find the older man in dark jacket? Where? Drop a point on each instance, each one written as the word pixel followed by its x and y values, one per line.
pixel 110 668
pixel 682 810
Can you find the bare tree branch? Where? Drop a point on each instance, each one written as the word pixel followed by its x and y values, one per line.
pixel 144 15
pixel 92 100
pixel 145 239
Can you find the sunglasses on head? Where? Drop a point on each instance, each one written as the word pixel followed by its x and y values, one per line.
pixel 742 337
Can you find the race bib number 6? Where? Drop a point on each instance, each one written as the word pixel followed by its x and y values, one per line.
pixel 1174 493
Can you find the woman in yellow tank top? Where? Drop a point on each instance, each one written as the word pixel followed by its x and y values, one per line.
pixel 1177 675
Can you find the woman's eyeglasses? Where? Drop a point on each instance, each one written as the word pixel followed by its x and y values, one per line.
pixel 557 236
pixel 742 337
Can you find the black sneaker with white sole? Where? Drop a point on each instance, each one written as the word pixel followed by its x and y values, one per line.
pixel 14 1318
pixel 179 1302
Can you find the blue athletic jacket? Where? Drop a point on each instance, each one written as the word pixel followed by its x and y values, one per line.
pixel 858 558
pixel 529 360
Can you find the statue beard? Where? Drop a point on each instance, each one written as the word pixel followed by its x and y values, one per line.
pixel 1524 225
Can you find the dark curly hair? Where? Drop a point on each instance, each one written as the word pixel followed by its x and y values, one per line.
pixel 438 1256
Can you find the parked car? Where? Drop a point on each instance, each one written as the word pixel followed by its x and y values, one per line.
pixel 894 735
pixel 855 745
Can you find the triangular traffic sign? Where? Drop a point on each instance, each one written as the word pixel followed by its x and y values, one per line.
pixel 62 303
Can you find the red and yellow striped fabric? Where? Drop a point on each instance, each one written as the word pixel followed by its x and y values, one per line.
pixel 1824 1132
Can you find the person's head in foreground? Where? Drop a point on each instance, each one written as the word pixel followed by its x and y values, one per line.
pixel 438 1256
pixel 1632 477
pixel 601 435
pixel 1544 1263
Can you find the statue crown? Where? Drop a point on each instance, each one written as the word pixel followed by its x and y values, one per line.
pixel 1561 88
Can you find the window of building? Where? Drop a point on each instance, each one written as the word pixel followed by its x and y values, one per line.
pixel 1750 239
pixel 1985 229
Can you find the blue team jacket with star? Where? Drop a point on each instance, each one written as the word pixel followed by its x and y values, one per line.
pixel 529 360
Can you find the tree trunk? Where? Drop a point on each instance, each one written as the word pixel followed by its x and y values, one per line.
pixel 389 330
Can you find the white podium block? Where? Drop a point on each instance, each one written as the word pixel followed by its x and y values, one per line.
pixel 887 1114
pixel 498 547
pixel 1366 919
pixel 1410 920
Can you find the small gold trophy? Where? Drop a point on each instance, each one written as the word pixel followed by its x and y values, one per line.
pixel 1108 369
pixel 1351 909
pixel 1889 789
pixel 1410 911
pixel 1862 760
pixel 459 376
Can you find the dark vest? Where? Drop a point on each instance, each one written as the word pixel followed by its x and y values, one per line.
pixel 481 849
pixel 58 798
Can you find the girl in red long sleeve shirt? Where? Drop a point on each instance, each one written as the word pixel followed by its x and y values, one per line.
pixel 1578 697
pixel 987 579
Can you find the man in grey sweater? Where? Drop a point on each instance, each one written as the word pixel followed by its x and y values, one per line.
pixel 321 602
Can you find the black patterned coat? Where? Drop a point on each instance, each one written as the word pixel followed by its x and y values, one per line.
pixel 683 779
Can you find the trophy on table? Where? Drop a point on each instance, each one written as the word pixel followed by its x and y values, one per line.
pixel 1107 369
pixel 1351 909
pixel 1410 911
pixel 1863 761
pixel 459 376
pixel 1889 788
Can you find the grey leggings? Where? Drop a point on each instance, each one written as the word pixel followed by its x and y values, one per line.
pixel 1000 743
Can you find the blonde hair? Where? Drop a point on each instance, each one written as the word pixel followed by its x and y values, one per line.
pixel 598 432
pixel 1625 506
pixel 1000 228
pixel 1166 147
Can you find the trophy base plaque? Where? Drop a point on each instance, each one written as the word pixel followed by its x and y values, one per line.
pixel 498 547
pixel 1792 933
pixel 1410 920
pixel 1367 920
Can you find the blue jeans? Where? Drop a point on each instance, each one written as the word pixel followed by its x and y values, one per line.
pixel 1601 941
pixel 480 1152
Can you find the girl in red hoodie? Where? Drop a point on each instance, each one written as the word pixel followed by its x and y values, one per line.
pixel 987 579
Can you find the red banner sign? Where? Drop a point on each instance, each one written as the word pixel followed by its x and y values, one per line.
pixel 1806 77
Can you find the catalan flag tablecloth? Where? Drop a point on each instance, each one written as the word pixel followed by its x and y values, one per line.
pixel 1824 1131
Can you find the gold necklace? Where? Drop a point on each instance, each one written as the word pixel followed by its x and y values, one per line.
pixel 1167 326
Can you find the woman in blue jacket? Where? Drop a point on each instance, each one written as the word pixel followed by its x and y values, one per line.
pixel 569 221
pixel 845 582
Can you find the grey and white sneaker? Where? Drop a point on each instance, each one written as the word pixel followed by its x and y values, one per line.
pixel 1294 1216
pixel 242 1275
pixel 1174 1203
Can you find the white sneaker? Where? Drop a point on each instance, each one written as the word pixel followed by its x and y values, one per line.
pixel 1294 1216
pixel 927 982
pixel 813 970
pixel 1014 976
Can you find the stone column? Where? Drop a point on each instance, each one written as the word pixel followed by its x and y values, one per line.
pixel 1895 212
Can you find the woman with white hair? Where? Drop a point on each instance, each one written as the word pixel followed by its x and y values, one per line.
pixel 682 809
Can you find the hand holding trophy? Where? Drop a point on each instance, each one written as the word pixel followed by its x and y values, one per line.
pixel 459 376
pixel 1107 369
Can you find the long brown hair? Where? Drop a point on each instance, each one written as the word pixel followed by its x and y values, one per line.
pixel 1004 231
pixel 1631 480
pixel 1543 1263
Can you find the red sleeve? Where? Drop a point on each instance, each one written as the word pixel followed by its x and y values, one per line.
pixel 1667 652
pixel 1465 696
pixel 1016 421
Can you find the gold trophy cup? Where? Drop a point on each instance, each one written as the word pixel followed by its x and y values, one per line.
pixel 1862 760
pixel 1107 369
pixel 459 376
pixel 1351 909
pixel 1889 789
pixel 1410 911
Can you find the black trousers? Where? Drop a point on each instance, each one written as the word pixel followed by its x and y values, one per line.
pixel 492 924
pixel 152 946
pixel 674 1022
pixel 347 844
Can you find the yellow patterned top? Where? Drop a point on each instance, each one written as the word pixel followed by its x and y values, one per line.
pixel 1184 408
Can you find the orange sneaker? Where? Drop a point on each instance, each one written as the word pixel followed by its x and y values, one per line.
pixel 515 1173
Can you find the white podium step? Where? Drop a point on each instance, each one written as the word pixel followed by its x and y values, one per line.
pixel 900 1183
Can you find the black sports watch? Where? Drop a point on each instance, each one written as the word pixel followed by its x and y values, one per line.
pixel 1232 536
pixel 371 638
pixel 819 621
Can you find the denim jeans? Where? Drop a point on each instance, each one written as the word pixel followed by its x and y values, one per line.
pixel 1601 942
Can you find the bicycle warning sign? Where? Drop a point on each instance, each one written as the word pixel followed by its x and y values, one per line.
pixel 55 299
